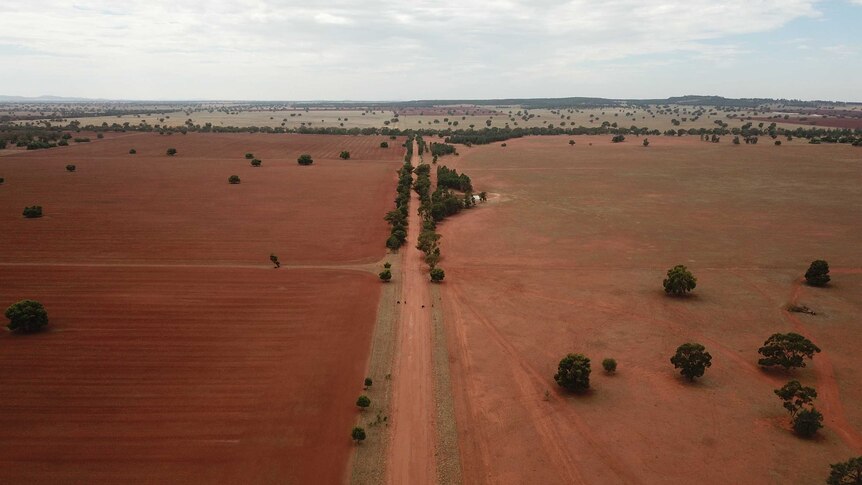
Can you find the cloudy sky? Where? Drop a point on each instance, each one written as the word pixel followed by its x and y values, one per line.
pixel 419 49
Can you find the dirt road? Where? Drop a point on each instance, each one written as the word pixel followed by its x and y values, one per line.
pixel 411 452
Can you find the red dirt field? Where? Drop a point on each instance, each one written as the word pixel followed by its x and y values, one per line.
pixel 148 206
pixel 568 256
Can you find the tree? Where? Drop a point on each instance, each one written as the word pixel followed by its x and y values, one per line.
pixel 274 259
pixel 393 242
pixel 618 139
pixel 385 275
pixel 646 142
pixel 679 281
pixel 571 142
pixel 171 152
pixel 818 273
pixel 483 196
pixel 778 143
pixel 846 473
pixel 70 168
pixel 384 144
pixel 304 159
pixel 692 359
pixel 807 422
pixel 256 163
pixel 26 316
pixel 358 434
pixel 363 401
pixel 368 382
pixel 736 140
pixel 2 180
pixel 344 155
pixel 437 274
pixel 33 211
pixel 132 151
pixel 795 396
pixel 609 365
pixel 387 265
pixel 787 350
pixel 573 373
pixel 249 156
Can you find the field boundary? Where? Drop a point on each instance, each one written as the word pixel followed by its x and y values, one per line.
pixel 447 449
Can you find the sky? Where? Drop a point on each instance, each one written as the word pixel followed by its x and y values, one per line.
pixel 420 49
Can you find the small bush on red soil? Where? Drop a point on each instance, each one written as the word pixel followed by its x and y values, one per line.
pixel 368 382
pixel 70 168
pixel 256 163
pixel 573 373
pixel 818 273
pixel 437 275
pixel 609 365
pixel 132 151
pixel 233 179
pixel 807 422
pixel 344 155
pixel 358 434
pixel 385 275
pixel 171 152
pixel 305 159
pixel 363 401
pixel 691 359
pixel 33 211
pixel 249 156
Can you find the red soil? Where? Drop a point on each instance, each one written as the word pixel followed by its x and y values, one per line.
pixel 568 256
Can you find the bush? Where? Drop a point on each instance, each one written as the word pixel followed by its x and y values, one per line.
pixel 679 281
pixel 249 156
pixel 778 143
pixel 2 144
pixel 368 382
pixel 573 373
pixel 358 434
pixel 100 135
pixel 62 143
pixel 2 180
pixel 82 139
pixel 26 316
pixel 646 142
pixel 736 140
pixel 70 168
pixel 363 401
pixel 818 273
pixel 384 144
pixel 385 275
pixel 609 365
pixel 846 473
pixel 692 359
pixel 274 260
pixel 344 155
pixel 305 159
pixel 256 163
pixel 132 151
pixel 233 179
pixel 571 142
pixel 807 422
pixel 171 152
pixel 787 350
pixel 618 139
pixel 33 211
pixel 387 265
pixel 437 275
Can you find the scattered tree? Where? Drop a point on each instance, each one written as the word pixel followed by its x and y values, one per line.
pixel 679 281
pixel 2 180
pixel 385 275
pixel 483 196
pixel 778 143
pixel 787 350
pixel 387 265
pixel 26 316
pixel 795 396
pixel 344 155
pixel 304 159
pixel 571 142
pixel 249 156
pixel 256 163
pixel 818 273
pixel 171 152
pixel 573 373
pixel 437 274
pixel 384 144
pixel 646 142
pixel 233 179
pixel 618 139
pixel 33 211
pixel 358 434
pixel 807 422
pixel 368 382
pixel 363 401
pixel 846 473
pixel 70 168
pixel 274 259
pixel 132 151
pixel 692 359
pixel 100 135
pixel 610 365
pixel 736 140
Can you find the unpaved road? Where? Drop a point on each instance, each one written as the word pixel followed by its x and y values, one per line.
pixel 411 452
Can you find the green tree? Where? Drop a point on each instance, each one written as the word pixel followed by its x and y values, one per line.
pixel 304 159
pixel 358 434
pixel 2 180
pixel 387 265
pixel 132 151
pixel 249 156
pixel 385 275
pixel 256 163
pixel 70 168
pixel 618 139
pixel 795 396
pixel 679 281
pixel 26 316
pixel 573 372
pixel 646 142
pixel 363 401
pixel 807 422
pixel 384 144
pixel 818 273
pixel 344 155
pixel 846 473
pixel 437 274
pixel 609 365
pixel 571 143
pixel 33 211
pixel 233 179
pixel 172 151
pixel 368 382
pixel 483 196
pixel 274 259
pixel 692 359
pixel 787 350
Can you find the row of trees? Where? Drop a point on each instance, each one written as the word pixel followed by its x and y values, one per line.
pixel 397 218
pixel 680 280
pixel 449 178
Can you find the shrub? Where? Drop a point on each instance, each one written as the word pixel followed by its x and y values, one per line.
pixel 100 135
pixel 646 142
pixel 256 163
pixel 171 152
pixel 384 144
pixel 846 473
pixel 2 144
pixel 385 275
pixel 787 350
pixel 387 265
pixel 503 145
pixel 736 140
pixel 26 316
pixel 618 139
pixel 70 168
pixel 62 143
pixel 368 382
pixel 363 401
pixel 249 156
pixel 233 179
pixel 795 396
pixel 344 155
pixel 679 281
pixel 437 274
pixel 2 180
pixel 274 260
pixel 692 359
pixel 573 373
pixel 571 142
pixel 609 365
pixel 807 422
pixel 818 273
pixel 304 159
pixel 82 139
pixel 33 211
pixel 778 143
pixel 358 434
pixel 132 151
